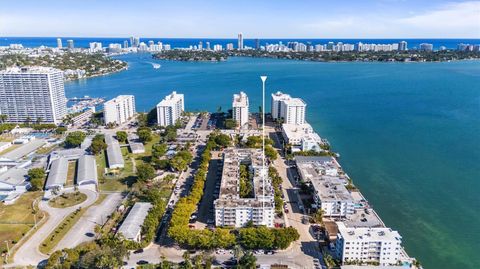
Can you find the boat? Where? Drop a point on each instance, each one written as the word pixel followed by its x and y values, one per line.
pixel 156 66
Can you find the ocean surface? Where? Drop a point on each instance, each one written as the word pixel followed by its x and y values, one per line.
pixel 408 133
pixel 83 42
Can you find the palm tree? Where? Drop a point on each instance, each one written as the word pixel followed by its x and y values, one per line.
pixel 39 120
pixel 237 252
pixel 28 120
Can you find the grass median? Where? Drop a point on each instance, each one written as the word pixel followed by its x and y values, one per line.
pixel 64 227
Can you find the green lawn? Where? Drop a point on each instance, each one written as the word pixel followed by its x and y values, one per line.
pixel 12 147
pixel 67 200
pixel 17 219
pixel 72 168
pixel 118 179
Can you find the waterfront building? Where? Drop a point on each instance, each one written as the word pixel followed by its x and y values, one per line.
pixel 131 227
pixel 240 41
pixel 114 48
pixel 402 46
pixel 290 110
pixel 368 245
pixel 135 41
pixel 240 109
pixel 233 210
pixel 230 46
pixel 32 94
pixel 83 117
pixel 95 46
pixel 426 47
pixel 328 180
pixel 170 109
pixel 257 44
pixel 70 44
pixel 217 47
pixel 119 109
pixel 302 137
pixel 207 44
pixel 125 44
pixel 59 43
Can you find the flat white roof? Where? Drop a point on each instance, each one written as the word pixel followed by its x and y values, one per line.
pixel 119 99
pixel 14 176
pixel 368 234
pixel 29 70
pixel 171 99
pixel 132 225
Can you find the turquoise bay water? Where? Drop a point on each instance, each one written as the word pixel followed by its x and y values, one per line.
pixel 408 134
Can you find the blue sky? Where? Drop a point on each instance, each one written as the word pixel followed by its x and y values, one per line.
pixel 261 18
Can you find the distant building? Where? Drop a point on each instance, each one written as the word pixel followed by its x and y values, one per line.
pixel 368 245
pixel 240 41
pixel 257 44
pixel 170 109
pixel 230 46
pixel 125 44
pixel 240 109
pixel 70 44
pixel 402 46
pixel 131 227
pixel 95 46
pixel 233 210
pixel 119 109
pixel 426 47
pixel 32 94
pixel 59 43
pixel 291 110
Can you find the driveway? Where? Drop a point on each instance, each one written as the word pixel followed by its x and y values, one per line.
pixel 83 230
pixel 29 253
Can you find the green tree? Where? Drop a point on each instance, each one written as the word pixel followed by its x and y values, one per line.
pixel 230 124
pixel 74 139
pixel 60 130
pixel 158 150
pixel 3 118
pixel 144 134
pixel 247 261
pixel 121 136
pixel 271 153
pixel 98 144
pixel 37 178
pixel 142 120
pixel 223 140
pixel 145 172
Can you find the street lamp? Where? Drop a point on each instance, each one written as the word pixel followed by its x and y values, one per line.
pixel 263 78
pixel 8 249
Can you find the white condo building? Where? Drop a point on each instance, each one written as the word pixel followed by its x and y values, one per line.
pixel 32 93
pixel 233 210
pixel 366 245
pixel 291 110
pixel 240 109
pixel 119 110
pixel 170 109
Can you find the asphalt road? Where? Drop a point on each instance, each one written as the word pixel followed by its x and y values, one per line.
pixel 29 253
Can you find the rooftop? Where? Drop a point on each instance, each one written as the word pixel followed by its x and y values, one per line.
pixel 299 131
pixel 368 234
pixel 30 70
pixel 58 173
pixel 230 187
pixel 24 150
pixel 132 225
pixel 114 153
pixel 240 100
pixel 87 170
pixel 14 176
pixel 171 99
pixel 326 177
pixel 118 99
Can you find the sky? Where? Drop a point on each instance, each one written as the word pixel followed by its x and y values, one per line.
pixel 254 18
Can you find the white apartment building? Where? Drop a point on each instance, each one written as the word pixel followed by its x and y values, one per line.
pixel 240 109
pixel 291 110
pixel 365 245
pixel 119 110
pixel 34 93
pixel 302 137
pixel 170 109
pixel 233 210
pixel 326 177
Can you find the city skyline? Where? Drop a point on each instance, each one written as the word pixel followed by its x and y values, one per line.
pixel 370 19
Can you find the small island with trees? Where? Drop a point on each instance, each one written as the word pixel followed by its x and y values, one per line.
pixel 75 65
pixel 323 56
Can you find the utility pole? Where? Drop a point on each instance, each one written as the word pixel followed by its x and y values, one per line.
pixel 8 249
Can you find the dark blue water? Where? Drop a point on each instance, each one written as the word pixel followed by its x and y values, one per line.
pixel 83 42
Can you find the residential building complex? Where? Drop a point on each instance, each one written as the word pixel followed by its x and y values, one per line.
pixel 170 109
pixel 119 109
pixel 302 137
pixel 290 110
pixel 368 245
pixel 328 180
pixel 240 109
pixel 230 208
pixel 32 94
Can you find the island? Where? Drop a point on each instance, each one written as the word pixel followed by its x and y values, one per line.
pixel 75 65
pixel 323 56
